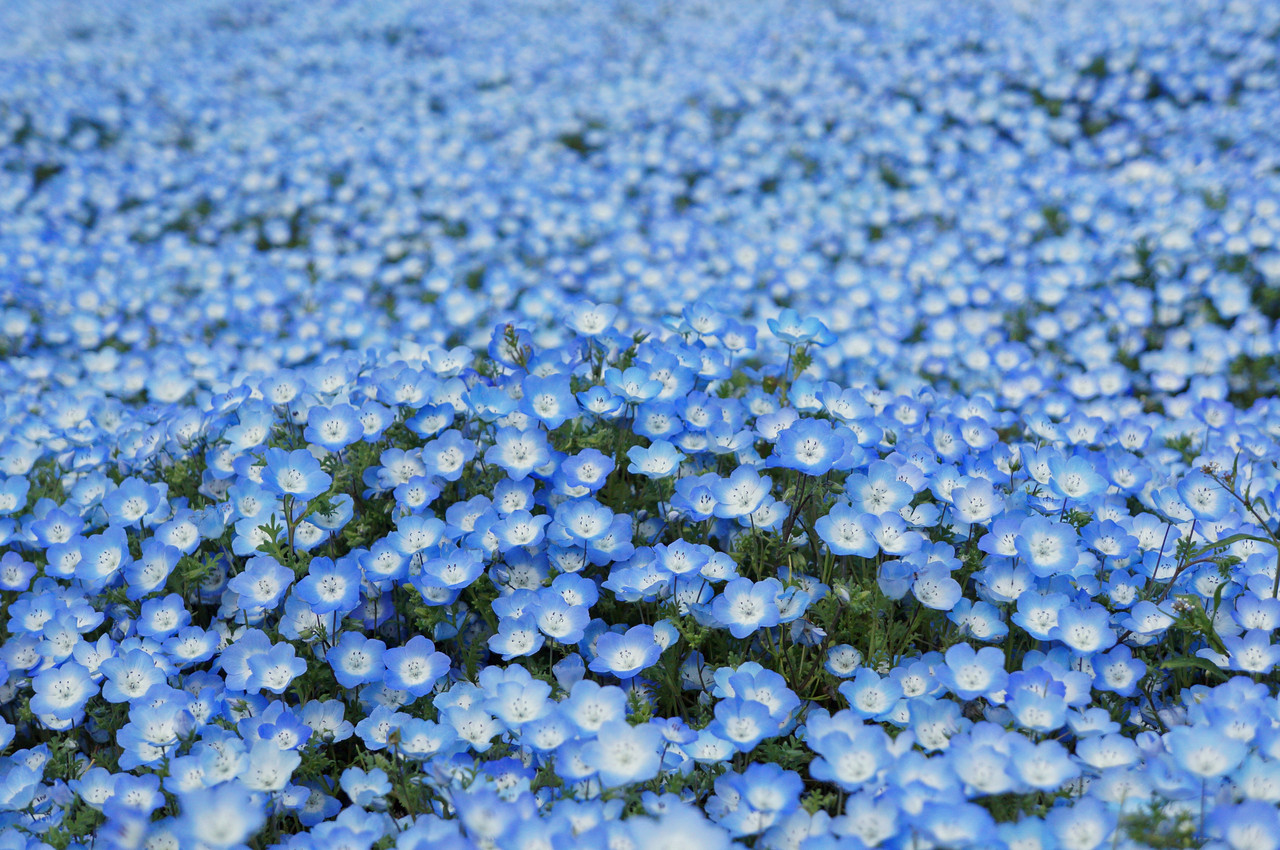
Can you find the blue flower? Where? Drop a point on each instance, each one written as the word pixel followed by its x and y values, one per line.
pixel 626 655
pixel 61 692
pixel 660 460
pixel 745 606
pixel 415 667
pixel 333 428
pixel 810 446
pixel 969 674
pixel 518 452
pixel 788 327
pixel 275 669
pixel 296 474
pixel 356 659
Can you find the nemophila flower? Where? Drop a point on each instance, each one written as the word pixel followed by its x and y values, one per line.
pixel 1085 630
pixel 850 755
pixel 976 502
pixel 1047 547
pixel 847 531
pixel 970 674
pixel 130 503
pixel 633 385
pixel 161 617
pixel 741 494
pixel 517 637
pixel 789 328
pixel 1045 766
pixel 869 695
pixel 842 661
pixel 1147 619
pixel 743 723
pixel 262 584
pixel 1074 478
pixel 661 459
pixel 1251 652
pixel 879 491
pixel 589 469
pixel 520 528
pixel 129 676
pixel 275 669
pixel 560 620
pixel 750 802
pixel 548 399
pixel 222 816
pixel 1248 825
pixel 1207 500
pixel 810 446
pixel 978 620
pixel 744 606
pixel 61 692
pixel 1118 671
pixel 333 428
pixel 599 401
pixel 626 655
pixel 296 473
pixel 330 585
pixel 415 667
pixel 516 702
pixel 1036 701
pixel 366 789
pixel 269 768
pixel 13 494
pixel 893 537
pixel 356 659
pixel 510 496
pixel 191 645
pixel 1203 752
pixel 447 456
pixel 415 533
pixel 518 452
pixel 102 556
pixel 935 588
pixel 580 521
pixel 589 319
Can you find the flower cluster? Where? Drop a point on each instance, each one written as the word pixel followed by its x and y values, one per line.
pixel 785 425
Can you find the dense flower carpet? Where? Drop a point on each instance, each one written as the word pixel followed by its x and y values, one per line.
pixel 540 425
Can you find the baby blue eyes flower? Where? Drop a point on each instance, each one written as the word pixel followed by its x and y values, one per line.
pixel 741 494
pixel 843 661
pixel 61 692
pixel 1207 500
pixel 415 667
pixel 589 319
pixel 659 460
pixel 633 385
pixel 262 584
pixel 334 427
pixel 517 636
pixel 1086 630
pixel 1203 751
pixel 275 669
pixel 745 606
pixel 1046 546
pixel 847 531
pixel 626 655
pixel 793 330
pixel 297 474
pixel 810 446
pixel 356 660
pixel 969 674
pixel 518 452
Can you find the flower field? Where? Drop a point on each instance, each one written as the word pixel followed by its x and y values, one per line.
pixel 812 425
